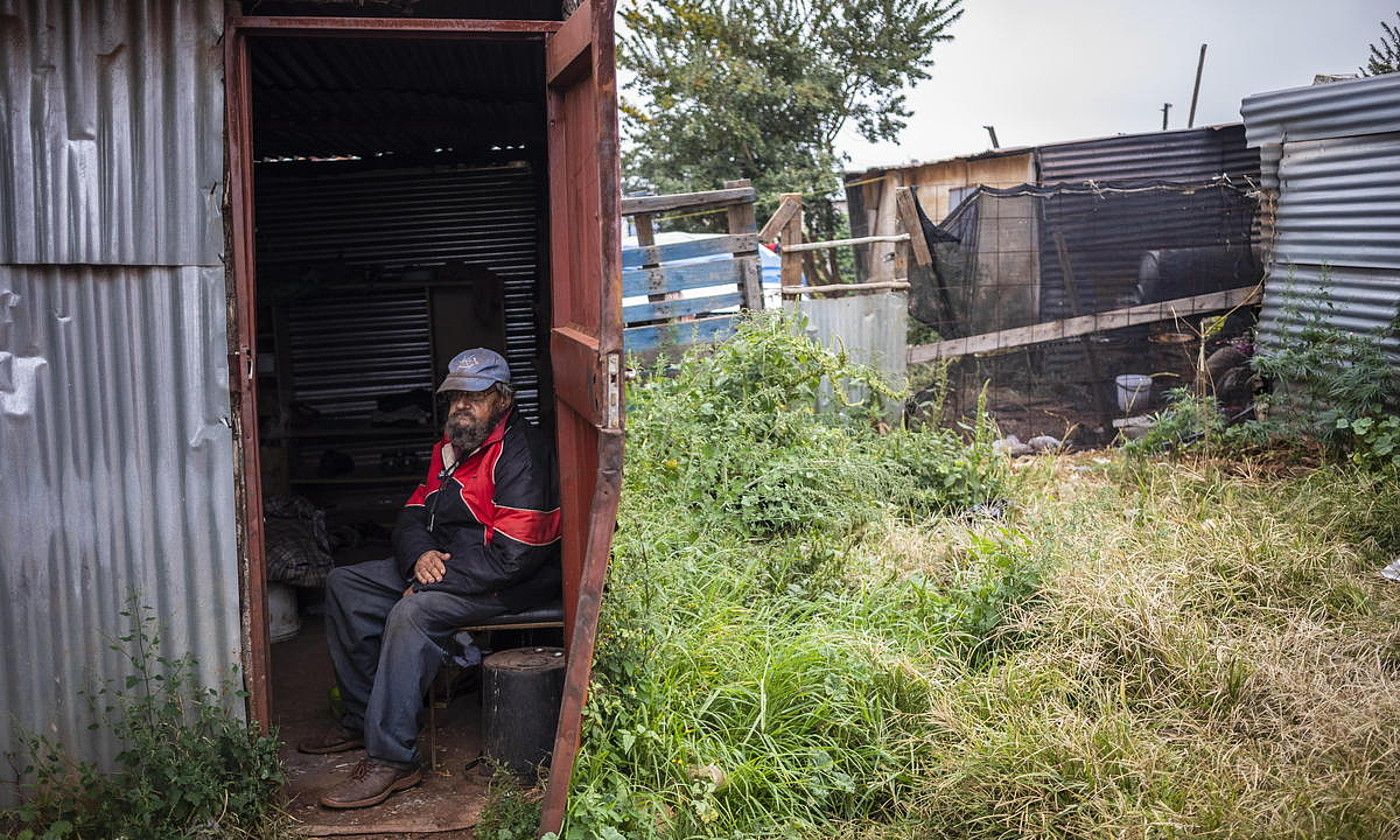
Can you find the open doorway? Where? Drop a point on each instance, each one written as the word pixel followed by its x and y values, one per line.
pixel 400 203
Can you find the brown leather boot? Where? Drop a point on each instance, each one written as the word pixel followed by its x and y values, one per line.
pixel 333 739
pixel 370 783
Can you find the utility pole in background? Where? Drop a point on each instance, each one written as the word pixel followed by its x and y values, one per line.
pixel 1196 91
pixel 992 130
pixel 1166 106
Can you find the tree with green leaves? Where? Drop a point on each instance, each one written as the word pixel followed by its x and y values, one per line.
pixel 761 89
pixel 1385 56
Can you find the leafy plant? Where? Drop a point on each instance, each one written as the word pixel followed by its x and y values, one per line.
pixel 1332 388
pixel 1326 378
pixel 1189 420
pixel 1375 443
pixel 187 768
pixel 511 812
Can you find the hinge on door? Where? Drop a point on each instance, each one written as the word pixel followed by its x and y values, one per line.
pixel 240 369
pixel 613 414
pixel 235 364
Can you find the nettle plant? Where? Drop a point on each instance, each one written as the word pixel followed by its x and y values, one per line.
pixel 1338 387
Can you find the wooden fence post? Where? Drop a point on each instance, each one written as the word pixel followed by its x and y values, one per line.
pixel 908 216
pixel 792 235
pixel 741 220
pixel 646 235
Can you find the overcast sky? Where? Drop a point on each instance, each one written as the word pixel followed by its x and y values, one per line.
pixel 1049 70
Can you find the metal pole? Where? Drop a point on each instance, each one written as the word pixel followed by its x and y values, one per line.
pixel 1196 91
pixel 992 130
pixel 1166 106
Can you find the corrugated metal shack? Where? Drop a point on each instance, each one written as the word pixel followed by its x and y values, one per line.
pixel 1191 155
pixel 1331 174
pixel 216 215
pixel 941 186
pixel 1106 224
pixel 1188 155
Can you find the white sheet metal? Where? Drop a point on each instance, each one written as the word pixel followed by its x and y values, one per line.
pixel 115 436
pixel 871 328
pixel 114 406
pixel 1333 153
pixel 111 132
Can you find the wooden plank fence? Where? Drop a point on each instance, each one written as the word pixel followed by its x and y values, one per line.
pixel 785 229
pixel 671 319
pixel 1082 325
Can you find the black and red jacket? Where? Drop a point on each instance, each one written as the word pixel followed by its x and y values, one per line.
pixel 496 512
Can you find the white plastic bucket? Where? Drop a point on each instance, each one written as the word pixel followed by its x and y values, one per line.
pixel 1134 392
pixel 282 618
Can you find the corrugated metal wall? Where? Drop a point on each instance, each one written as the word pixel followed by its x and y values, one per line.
pixel 1333 152
pixel 111 119
pixel 1190 155
pixel 114 407
pixel 1339 109
pixel 418 217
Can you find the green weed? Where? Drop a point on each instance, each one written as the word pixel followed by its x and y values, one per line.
pixel 896 638
pixel 188 767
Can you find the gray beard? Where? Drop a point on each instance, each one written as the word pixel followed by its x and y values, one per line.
pixel 466 435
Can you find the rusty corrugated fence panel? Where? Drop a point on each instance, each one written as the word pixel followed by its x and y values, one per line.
pixel 114 399
pixel 1333 154
pixel 118 479
pixel 111 132
pixel 1188 156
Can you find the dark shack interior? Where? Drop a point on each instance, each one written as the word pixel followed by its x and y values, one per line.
pixel 401 208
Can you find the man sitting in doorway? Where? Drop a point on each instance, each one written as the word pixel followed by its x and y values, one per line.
pixel 477 539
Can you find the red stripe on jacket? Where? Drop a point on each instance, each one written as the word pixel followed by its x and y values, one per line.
pixel 531 527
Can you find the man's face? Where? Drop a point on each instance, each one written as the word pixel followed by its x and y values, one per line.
pixel 471 414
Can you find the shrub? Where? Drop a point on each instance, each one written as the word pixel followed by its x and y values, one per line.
pixel 187 768
pixel 1332 389
pixel 757 667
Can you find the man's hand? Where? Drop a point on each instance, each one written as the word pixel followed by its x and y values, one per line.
pixel 430 566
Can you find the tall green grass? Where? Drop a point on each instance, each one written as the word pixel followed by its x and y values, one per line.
pixel 815 629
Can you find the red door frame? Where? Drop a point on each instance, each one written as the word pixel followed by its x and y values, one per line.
pixel 243 307
pixel 587 362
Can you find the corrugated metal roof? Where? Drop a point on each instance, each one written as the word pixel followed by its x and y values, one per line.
pixel 1337 109
pixel 339 96
pixel 1189 155
pixel 118 463
pixel 111 132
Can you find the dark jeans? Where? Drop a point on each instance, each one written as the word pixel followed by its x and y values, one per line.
pixel 387 648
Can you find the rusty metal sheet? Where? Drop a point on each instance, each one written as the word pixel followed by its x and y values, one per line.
pixel 115 436
pixel 111 132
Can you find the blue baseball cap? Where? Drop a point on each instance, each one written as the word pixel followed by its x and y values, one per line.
pixel 475 370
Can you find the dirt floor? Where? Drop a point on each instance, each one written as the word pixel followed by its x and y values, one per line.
pixel 444 807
